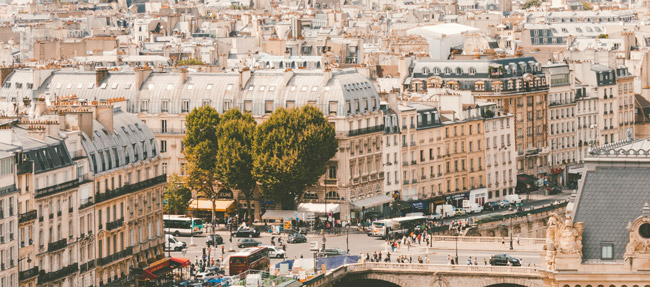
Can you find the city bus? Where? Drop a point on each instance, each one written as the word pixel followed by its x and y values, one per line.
pixel 397 226
pixel 182 225
pixel 253 258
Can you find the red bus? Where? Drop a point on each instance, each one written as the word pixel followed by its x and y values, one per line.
pixel 254 258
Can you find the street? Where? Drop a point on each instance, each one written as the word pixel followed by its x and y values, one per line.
pixel 361 244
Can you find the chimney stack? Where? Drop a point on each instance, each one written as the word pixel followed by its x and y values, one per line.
pixel 100 75
pixel 183 74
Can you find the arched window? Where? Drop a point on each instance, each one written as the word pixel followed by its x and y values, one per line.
pixel 425 70
pixel 447 70
pixel 459 71
pixel 436 70
pixel 332 195
pixel 472 70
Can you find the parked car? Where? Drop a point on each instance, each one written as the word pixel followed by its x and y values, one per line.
pixel 492 205
pixel 214 240
pixel 275 252
pixel 246 232
pixel 504 203
pixel 248 242
pixel 460 211
pixel 333 252
pixel 503 259
pixel 554 190
pixel 296 238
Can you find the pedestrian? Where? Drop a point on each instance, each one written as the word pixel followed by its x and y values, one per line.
pixel 469 261
pixel 484 261
pixel 427 259
pixel 475 261
pixel 518 240
pixel 273 240
pixel 448 259
pixel 503 240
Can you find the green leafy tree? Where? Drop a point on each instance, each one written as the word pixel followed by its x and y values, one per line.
pixel 291 150
pixel 200 150
pixel 234 159
pixel 587 6
pixel 531 3
pixel 177 196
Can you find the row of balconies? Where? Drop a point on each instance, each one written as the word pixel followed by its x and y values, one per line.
pixel 116 256
pixel 46 277
pixel 129 188
pixel 363 131
pixel 41 192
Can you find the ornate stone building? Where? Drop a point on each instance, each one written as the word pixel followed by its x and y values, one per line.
pixel 605 237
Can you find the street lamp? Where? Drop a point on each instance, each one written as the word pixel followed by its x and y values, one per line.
pixel 456 237
pixel 512 214
pixel 347 237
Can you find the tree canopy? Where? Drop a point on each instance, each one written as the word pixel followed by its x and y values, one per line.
pixel 200 150
pixel 291 150
pixel 177 196
pixel 234 158
pixel 531 3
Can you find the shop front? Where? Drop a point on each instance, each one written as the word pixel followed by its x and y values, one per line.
pixel 457 199
pixel 202 208
pixel 435 201
pixel 478 196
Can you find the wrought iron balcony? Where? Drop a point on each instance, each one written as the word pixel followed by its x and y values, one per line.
pixel 41 192
pixel 54 246
pixel 101 197
pixel 27 274
pixel 27 216
pixel 45 277
pixel 116 256
pixel 114 224
pixel 363 131
pixel 25 167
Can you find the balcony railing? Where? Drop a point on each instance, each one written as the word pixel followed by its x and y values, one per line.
pixel 114 224
pixel 116 256
pixel 367 130
pixel 173 131
pixel 27 216
pixel 5 190
pixel 56 188
pixel 86 203
pixel 101 197
pixel 45 277
pixel 54 246
pixel 87 266
pixel 29 273
pixel 330 181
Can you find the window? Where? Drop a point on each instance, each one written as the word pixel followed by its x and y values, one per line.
pixel 163 146
pixel 268 107
pixel 248 106
pixel 164 106
pixel 332 107
pixel 144 106
pixel 332 195
pixel 185 106
pixel 607 250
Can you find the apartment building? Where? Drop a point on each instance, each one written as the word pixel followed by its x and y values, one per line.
pixel 161 100
pixel 90 201
pixel 422 150
pixel 605 84
pixel 517 85
pixel 587 131
pixel 8 221
pixel 562 123
pixel 500 169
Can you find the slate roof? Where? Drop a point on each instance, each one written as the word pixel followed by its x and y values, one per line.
pixel 610 198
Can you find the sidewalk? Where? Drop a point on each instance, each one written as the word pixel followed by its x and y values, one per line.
pixel 470 246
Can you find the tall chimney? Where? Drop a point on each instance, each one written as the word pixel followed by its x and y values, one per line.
pixel 183 74
pixel 100 75
pixel 104 115
pixel 244 76
pixel 141 75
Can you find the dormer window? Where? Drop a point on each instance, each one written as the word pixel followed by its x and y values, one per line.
pixel 425 71
pixel 607 251
pixel 459 71
pixel 472 71
pixel 447 71
pixel 436 71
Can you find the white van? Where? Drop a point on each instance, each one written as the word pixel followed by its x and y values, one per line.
pixel 171 243
pixel 446 210
pixel 474 208
pixel 513 198
pixel 254 280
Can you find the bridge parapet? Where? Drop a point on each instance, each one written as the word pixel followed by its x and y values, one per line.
pixel 414 274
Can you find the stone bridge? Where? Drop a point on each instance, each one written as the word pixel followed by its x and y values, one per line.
pixel 425 275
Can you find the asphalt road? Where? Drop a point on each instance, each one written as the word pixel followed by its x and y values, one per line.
pixel 361 244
